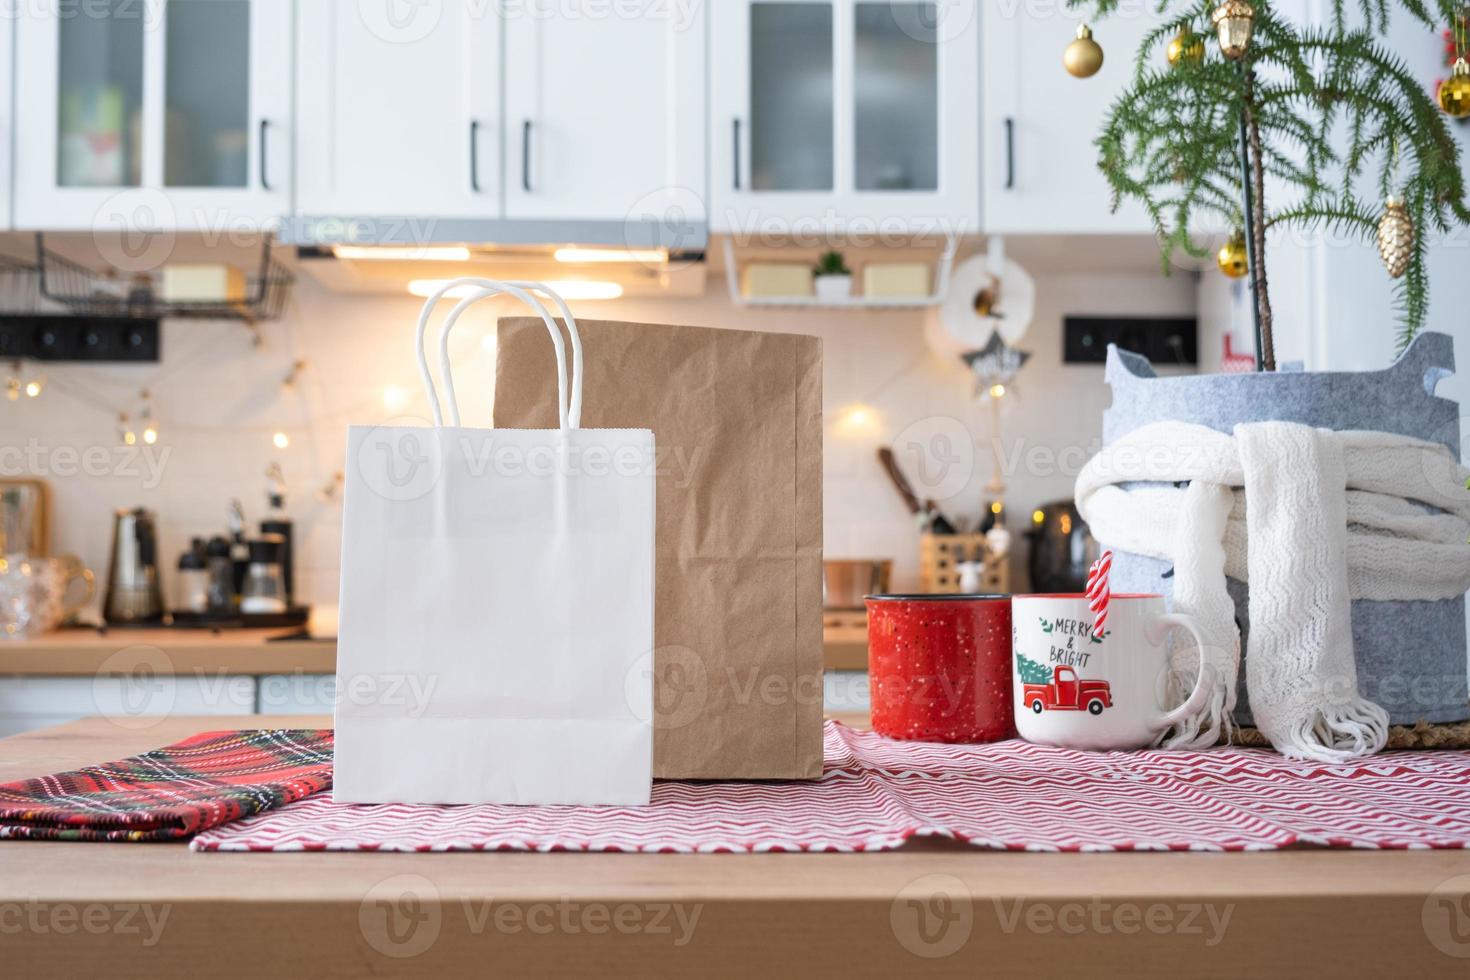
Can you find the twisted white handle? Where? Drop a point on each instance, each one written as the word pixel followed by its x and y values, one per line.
pixel 569 408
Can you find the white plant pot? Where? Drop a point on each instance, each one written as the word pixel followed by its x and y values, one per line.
pixel 833 289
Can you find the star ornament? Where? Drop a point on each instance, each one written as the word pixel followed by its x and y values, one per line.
pixel 994 366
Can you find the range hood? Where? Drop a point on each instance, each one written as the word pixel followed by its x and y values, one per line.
pixel 592 259
pixel 577 271
pixel 673 232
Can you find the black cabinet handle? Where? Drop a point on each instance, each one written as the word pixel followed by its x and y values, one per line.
pixel 1010 153
pixel 475 155
pixel 526 156
pixel 735 123
pixel 264 183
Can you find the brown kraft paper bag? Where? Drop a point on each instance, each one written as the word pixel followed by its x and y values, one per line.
pixel 737 421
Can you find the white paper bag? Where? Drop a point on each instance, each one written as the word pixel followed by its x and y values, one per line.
pixel 496 631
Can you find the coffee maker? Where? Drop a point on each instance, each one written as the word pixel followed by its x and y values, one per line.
pixel 134 593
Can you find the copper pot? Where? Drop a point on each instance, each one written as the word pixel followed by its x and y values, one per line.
pixel 846 580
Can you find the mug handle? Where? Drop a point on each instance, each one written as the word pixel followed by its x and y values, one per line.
pixel 76 570
pixel 1202 690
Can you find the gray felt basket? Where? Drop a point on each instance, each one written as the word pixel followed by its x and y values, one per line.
pixel 1410 655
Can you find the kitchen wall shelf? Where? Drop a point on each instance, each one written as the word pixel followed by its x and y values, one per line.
pixel 942 267
pixel 86 292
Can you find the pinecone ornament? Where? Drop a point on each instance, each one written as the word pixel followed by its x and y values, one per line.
pixel 1395 237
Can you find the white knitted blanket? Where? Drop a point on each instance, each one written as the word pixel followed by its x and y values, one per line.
pixel 1311 519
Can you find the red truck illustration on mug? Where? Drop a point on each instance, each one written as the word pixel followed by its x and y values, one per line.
pixel 1067 693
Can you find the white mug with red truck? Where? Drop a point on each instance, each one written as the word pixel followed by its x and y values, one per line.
pixel 1090 680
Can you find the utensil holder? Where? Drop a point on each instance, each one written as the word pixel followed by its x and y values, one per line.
pixel 939 553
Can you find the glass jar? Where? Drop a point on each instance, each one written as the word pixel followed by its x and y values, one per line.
pixel 192 581
pixel 265 586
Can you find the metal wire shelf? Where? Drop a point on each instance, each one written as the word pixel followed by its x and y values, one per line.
pixel 86 292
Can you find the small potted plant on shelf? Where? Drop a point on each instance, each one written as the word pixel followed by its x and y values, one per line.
pixel 832 277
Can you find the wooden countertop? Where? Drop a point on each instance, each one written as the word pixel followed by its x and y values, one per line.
pixel 158 910
pixel 73 652
pixel 254 652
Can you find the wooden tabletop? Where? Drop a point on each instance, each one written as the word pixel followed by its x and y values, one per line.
pixel 158 910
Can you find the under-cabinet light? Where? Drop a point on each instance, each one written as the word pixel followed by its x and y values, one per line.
pixel 572 253
pixel 566 288
pixel 401 253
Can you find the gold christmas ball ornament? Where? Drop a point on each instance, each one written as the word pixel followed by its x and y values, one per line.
pixel 1186 48
pixel 1234 21
pixel 1395 237
pixel 1084 56
pixel 1454 92
pixel 1232 258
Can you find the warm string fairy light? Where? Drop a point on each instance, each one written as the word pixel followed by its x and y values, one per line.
pixel 353 413
pixel 16 385
pixel 288 383
pixel 393 397
pixel 148 433
pixel 331 488
pixel 150 428
pixel 139 425
pixel 279 438
pixel 140 428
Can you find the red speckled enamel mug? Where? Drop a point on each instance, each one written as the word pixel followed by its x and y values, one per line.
pixel 939 667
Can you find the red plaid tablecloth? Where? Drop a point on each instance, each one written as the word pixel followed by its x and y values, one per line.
pixel 172 792
pixel 875 793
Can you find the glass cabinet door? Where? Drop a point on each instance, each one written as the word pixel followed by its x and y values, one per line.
pixel 791 97
pixel 155 113
pixel 100 96
pixel 837 113
pixel 895 97
pixel 206 123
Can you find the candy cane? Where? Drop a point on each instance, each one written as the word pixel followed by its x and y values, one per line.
pixel 1098 593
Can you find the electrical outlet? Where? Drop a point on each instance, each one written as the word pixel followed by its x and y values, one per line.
pixel 1163 340
pixel 79 338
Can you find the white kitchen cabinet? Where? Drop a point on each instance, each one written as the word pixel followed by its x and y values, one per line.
pixel 7 116
pixel 296 694
pixel 605 111
pixel 399 110
pixel 1040 170
pixel 153 114
pixel 130 701
pixel 843 115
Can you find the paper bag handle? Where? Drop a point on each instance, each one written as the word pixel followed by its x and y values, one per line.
pixel 569 409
